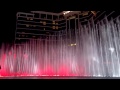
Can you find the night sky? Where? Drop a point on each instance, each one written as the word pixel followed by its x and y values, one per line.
pixel 9 25
pixel 8 14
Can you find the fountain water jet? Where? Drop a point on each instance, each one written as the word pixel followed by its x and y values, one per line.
pixel 91 50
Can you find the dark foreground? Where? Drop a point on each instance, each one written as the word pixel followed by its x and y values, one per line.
pixel 58 77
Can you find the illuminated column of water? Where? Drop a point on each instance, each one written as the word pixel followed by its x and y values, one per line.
pixel 79 52
pixel 50 51
pixel 31 57
pixel 112 38
pixel 40 55
pixel 99 60
pixel 87 48
pixel 35 59
pixel 78 55
pixel 84 48
pixel 103 41
pixel 41 46
pixel 58 56
pixel 102 49
pixel 53 50
pixel 62 46
pixel 115 52
pixel 49 55
pixel 25 56
pixel 37 63
pixel 59 49
pixel 109 47
pixel 46 54
pixel 118 29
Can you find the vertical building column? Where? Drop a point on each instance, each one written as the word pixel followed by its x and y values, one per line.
pixel 66 23
pixel 78 22
pixel 52 17
pixel 69 30
pixel 16 27
pixel 40 15
pixel 46 16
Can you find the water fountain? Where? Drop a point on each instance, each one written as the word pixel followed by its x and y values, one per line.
pixel 93 52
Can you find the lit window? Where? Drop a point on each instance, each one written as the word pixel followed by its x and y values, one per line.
pixel 44 28
pixel 56 27
pixel 56 23
pixel 53 27
pixel 23 35
pixel 40 21
pixel 31 18
pixel 31 25
pixel 27 18
pixel 44 23
pixel 27 25
pixel 53 22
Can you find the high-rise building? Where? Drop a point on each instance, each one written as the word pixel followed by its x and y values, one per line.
pixel 40 24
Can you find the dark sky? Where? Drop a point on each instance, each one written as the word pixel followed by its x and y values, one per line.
pixel 7 33
pixel 8 14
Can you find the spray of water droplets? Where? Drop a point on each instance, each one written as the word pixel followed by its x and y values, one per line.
pixel 91 50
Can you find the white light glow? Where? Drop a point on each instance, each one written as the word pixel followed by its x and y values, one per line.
pixel 111 49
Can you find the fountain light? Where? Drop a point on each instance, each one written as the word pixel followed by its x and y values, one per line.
pixel 111 49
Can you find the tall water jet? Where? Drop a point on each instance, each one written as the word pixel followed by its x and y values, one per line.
pixel 90 50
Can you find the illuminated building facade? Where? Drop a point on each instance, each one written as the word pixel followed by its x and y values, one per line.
pixel 40 24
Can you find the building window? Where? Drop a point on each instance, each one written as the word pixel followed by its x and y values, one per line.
pixel 53 27
pixel 56 27
pixel 43 16
pixel 23 35
pixel 53 22
pixel 27 18
pixel 27 25
pixel 40 21
pixel 31 18
pixel 44 23
pixel 33 36
pixel 44 28
pixel 34 25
